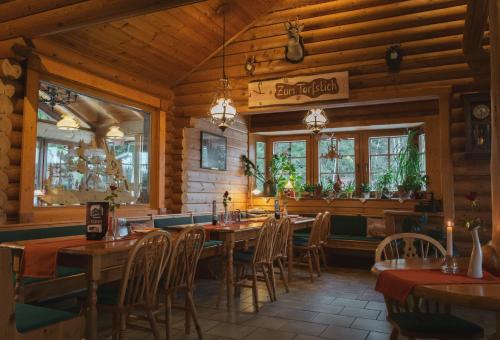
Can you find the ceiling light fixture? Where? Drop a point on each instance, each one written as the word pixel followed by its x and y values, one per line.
pixel 315 120
pixel 67 123
pixel 115 133
pixel 222 111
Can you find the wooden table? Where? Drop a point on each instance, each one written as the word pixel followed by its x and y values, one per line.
pixel 241 232
pixel 103 262
pixel 472 295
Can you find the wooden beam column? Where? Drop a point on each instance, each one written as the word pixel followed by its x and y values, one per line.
pixel 495 119
pixel 447 187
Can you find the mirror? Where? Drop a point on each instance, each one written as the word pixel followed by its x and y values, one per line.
pixel 87 144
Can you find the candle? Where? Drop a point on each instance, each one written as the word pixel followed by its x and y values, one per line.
pixel 449 239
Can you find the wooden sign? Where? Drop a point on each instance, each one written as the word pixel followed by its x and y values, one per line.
pixel 299 90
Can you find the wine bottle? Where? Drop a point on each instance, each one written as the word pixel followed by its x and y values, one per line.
pixel 214 212
pixel 277 213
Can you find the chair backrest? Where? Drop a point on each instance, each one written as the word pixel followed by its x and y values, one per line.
pixel 315 235
pixel 146 263
pixel 264 246
pixel 184 260
pixel 326 222
pixel 408 245
pixel 282 233
pixel 7 307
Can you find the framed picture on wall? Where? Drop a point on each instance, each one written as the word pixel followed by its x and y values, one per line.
pixel 213 151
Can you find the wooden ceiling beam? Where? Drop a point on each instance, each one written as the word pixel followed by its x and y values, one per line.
pixel 17 9
pixel 475 23
pixel 82 14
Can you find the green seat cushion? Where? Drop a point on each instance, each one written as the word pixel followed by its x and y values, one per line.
pixel 108 294
pixel 243 256
pixel 62 271
pixel 172 221
pixel 30 234
pixel 354 238
pixel 348 225
pixel 202 218
pixel 29 317
pixel 300 235
pixel 212 243
pixel 301 242
pixel 435 323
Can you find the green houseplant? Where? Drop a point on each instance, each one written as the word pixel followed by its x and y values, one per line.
pixel 408 176
pixel 349 189
pixel 384 182
pixel 365 190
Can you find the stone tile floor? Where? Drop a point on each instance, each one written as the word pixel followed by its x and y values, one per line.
pixel 340 305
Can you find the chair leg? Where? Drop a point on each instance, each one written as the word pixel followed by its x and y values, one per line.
pixel 123 326
pixel 168 315
pixel 323 256
pixel 194 314
pixel 187 315
pixel 316 261
pixel 255 293
pixel 153 324
pixel 283 276
pixel 116 325
pixel 273 281
pixel 268 281
pixel 309 264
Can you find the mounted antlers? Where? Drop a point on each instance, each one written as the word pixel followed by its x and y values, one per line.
pixel 294 51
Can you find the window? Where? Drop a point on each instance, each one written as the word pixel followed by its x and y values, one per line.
pixel 260 163
pixel 297 152
pixel 344 167
pixel 421 152
pixel 383 152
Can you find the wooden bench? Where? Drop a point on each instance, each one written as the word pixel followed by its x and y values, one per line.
pixel 349 233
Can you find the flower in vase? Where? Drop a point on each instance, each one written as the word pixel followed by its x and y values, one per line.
pixel 226 199
pixel 111 198
pixel 471 221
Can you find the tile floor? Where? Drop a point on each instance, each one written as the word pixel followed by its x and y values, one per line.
pixel 340 305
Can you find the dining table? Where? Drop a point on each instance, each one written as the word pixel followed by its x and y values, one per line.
pixel 483 296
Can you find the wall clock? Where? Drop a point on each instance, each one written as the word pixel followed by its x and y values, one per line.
pixel 477 110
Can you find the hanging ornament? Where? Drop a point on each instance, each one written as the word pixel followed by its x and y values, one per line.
pixel 332 152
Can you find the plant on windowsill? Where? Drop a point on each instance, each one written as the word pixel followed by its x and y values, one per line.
pixel 365 190
pixel 309 190
pixel 252 171
pixel 384 183
pixel 408 170
pixel 349 189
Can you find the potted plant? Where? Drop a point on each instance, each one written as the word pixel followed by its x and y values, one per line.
pixel 349 189
pixel 384 183
pixel 309 190
pixel 408 175
pixel 365 190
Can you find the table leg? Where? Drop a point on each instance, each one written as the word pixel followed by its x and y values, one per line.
pixel 229 271
pixel 93 274
pixel 290 254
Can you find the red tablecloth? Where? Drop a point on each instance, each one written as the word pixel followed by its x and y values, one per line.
pixel 40 257
pixel 398 284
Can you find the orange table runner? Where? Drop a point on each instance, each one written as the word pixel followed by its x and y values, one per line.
pixel 398 284
pixel 40 257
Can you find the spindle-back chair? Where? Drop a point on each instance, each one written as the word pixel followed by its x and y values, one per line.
pixel 408 245
pixel 308 248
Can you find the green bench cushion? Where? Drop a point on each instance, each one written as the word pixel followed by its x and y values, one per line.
pixel 62 271
pixel 435 323
pixel 108 294
pixel 199 219
pixel 212 243
pixel 354 238
pixel 29 317
pixel 30 234
pixel 172 221
pixel 348 225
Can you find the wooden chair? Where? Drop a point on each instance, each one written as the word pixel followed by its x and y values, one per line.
pixel 180 276
pixel 19 321
pixel 138 290
pixel 279 253
pixel 408 245
pixel 323 239
pixel 424 319
pixel 258 260
pixel 309 247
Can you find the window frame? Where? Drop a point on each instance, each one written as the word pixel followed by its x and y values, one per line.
pixel 292 138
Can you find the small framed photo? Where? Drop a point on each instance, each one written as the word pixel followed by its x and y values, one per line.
pixel 213 151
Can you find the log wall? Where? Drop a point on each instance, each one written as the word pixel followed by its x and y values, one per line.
pixel 196 188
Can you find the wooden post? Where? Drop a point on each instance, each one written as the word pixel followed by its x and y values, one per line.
pixel 494 23
pixel 446 162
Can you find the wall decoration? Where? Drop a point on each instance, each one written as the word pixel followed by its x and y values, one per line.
pixel 477 110
pixel 394 57
pixel 294 50
pixel 299 90
pixel 213 151
pixel 250 65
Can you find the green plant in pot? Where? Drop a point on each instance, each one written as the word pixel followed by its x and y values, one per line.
pixel 349 189
pixel 253 172
pixel 408 175
pixel 383 184
pixel 309 189
pixel 284 173
pixel 365 190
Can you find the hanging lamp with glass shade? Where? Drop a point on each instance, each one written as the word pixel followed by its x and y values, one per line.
pixel 315 120
pixel 222 110
pixel 114 132
pixel 67 123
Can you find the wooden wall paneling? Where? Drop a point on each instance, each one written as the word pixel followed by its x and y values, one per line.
pixel 494 22
pixel 446 163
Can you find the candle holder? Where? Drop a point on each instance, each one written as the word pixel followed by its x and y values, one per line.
pixel 450 265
